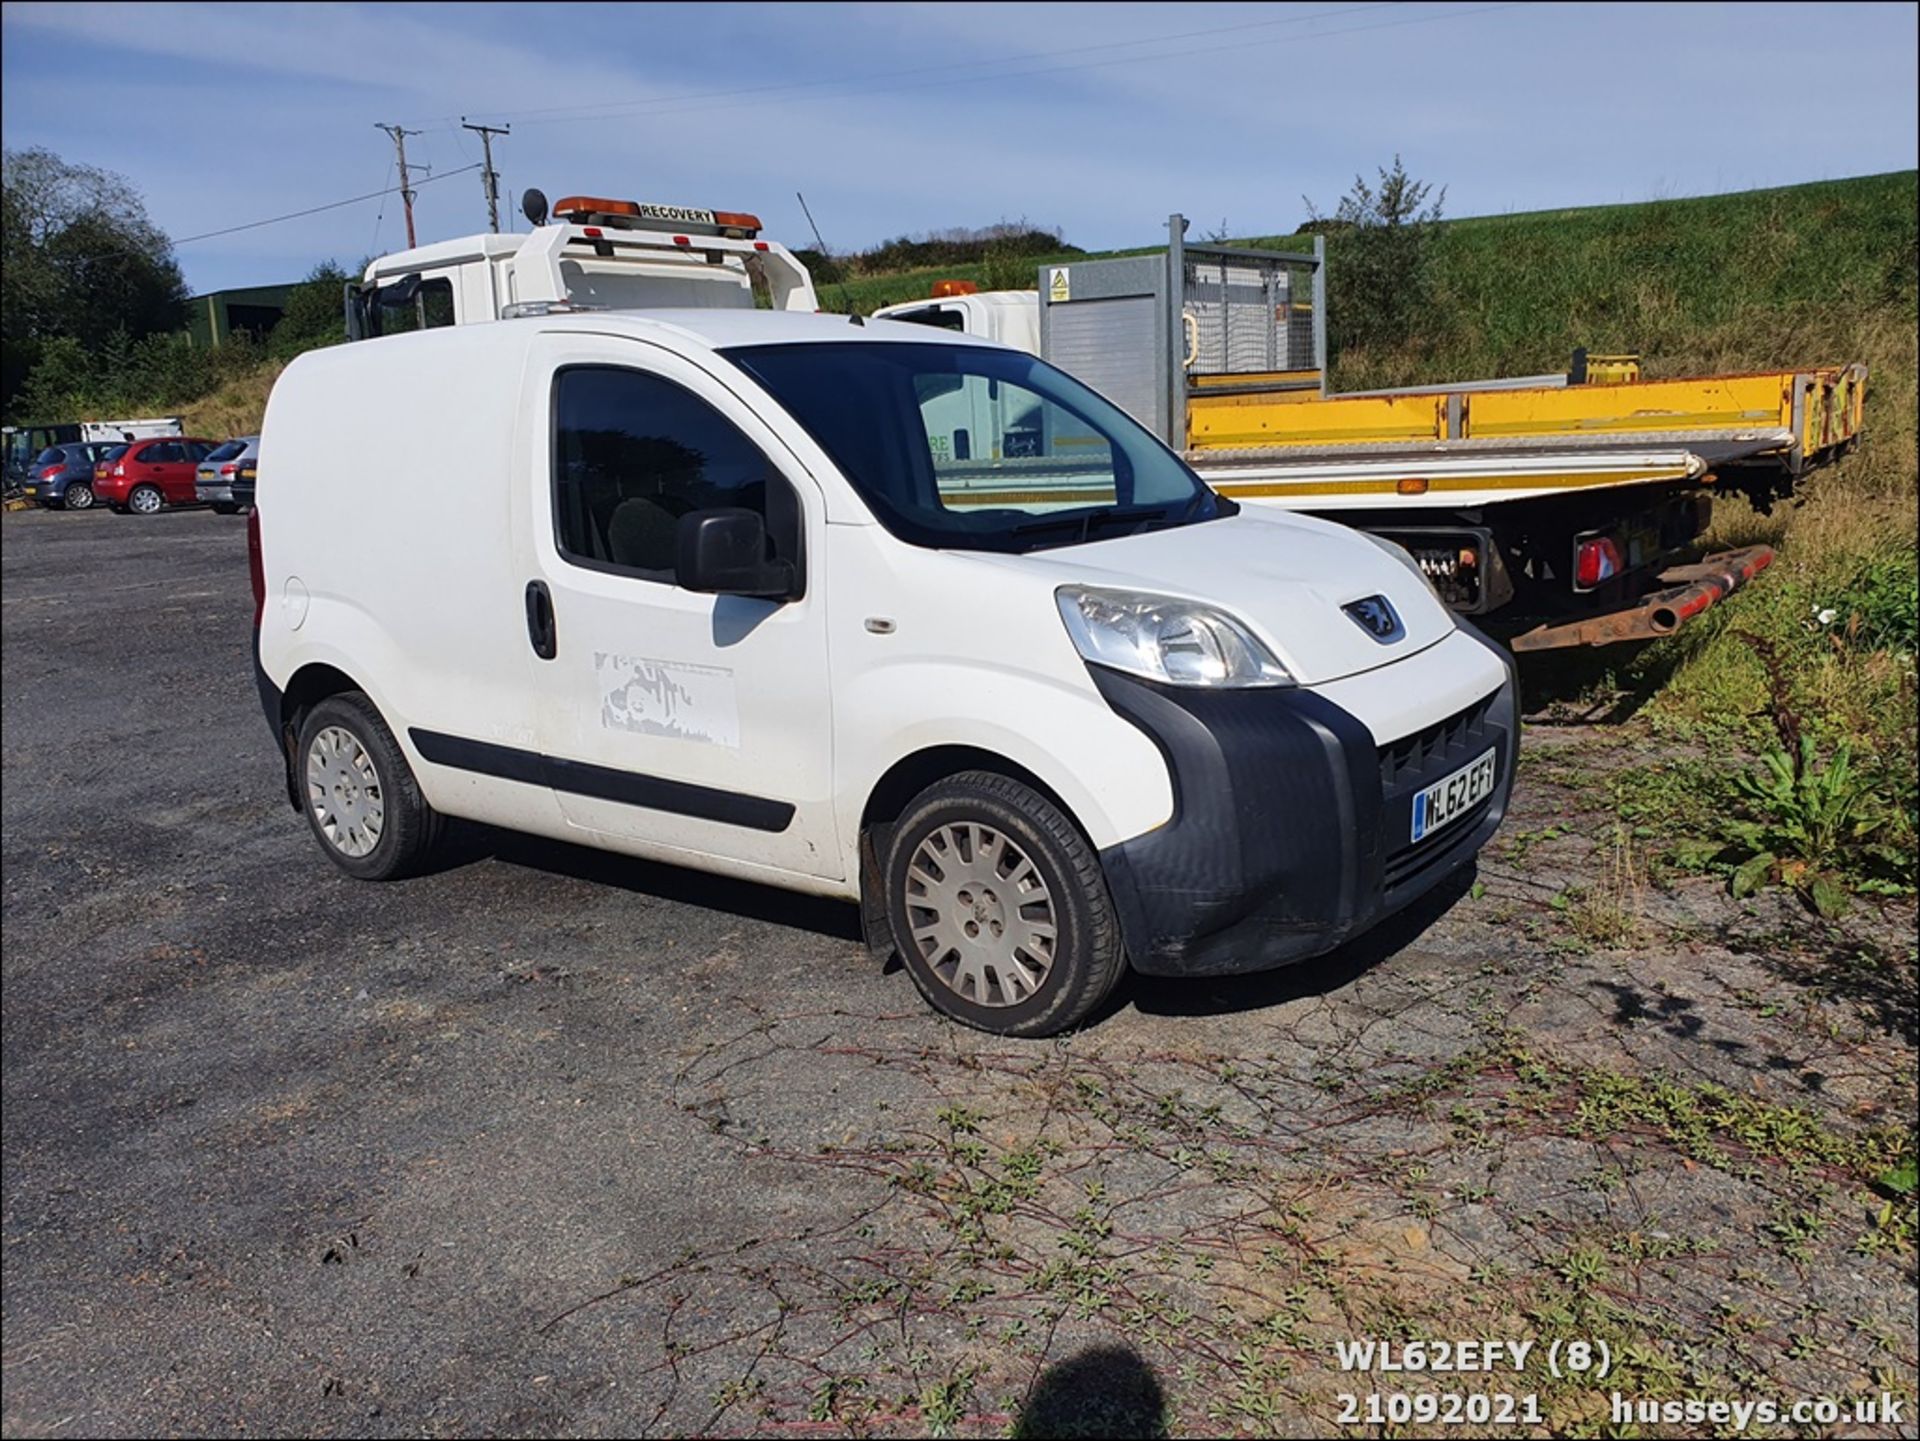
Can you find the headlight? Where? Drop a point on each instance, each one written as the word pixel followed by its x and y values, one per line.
pixel 1164 638
pixel 1405 557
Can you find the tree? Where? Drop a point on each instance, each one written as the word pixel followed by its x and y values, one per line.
pixel 79 258
pixel 315 313
pixel 1380 277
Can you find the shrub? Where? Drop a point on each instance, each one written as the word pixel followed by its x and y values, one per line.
pixel 1381 290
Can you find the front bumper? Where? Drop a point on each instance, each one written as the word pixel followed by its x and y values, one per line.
pixel 1292 827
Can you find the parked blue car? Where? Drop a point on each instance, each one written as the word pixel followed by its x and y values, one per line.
pixel 61 476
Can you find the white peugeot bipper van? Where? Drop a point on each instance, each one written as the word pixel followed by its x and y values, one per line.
pixel 698 586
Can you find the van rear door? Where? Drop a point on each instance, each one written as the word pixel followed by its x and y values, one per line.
pixel 687 722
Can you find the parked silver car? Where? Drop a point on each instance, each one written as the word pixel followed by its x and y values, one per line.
pixel 213 481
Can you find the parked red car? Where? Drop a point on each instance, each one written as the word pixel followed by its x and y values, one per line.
pixel 152 474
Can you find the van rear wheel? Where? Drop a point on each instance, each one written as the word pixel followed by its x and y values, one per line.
pixel 359 793
pixel 1000 908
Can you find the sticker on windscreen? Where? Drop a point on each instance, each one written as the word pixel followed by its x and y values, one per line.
pixel 668 698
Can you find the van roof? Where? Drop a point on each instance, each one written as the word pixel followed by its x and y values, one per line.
pixel 722 329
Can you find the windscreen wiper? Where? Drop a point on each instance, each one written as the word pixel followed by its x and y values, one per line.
pixel 1085 520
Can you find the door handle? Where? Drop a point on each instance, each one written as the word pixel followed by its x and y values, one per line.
pixel 541 629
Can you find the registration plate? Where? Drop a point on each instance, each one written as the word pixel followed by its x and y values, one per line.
pixel 1445 801
pixel 33 490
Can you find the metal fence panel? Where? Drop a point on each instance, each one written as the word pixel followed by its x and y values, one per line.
pixel 1250 315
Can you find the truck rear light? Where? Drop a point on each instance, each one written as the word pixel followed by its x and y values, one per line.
pixel 1596 561
pixel 256 567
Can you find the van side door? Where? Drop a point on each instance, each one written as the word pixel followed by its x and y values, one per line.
pixel 689 725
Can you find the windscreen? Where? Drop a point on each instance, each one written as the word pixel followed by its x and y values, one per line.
pixel 971 448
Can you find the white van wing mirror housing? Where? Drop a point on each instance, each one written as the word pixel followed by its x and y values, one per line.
pixel 724 552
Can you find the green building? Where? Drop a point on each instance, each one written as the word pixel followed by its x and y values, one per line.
pixel 256 309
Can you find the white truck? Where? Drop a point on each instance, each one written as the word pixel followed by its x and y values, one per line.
pixel 589 253
pixel 696 585
pixel 111 432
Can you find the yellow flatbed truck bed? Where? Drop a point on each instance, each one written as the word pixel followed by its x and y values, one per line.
pixel 1477 445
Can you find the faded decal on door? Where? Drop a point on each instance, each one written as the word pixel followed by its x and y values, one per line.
pixel 667 698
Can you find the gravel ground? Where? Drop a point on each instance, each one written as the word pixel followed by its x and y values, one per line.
pixel 553 1142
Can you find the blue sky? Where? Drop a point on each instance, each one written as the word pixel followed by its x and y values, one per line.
pixel 1099 119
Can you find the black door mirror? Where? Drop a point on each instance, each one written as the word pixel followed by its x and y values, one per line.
pixel 724 552
pixel 400 293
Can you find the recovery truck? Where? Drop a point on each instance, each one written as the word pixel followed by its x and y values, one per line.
pixel 1572 499
pixel 590 253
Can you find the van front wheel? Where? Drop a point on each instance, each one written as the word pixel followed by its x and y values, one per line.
pixel 359 793
pixel 1000 908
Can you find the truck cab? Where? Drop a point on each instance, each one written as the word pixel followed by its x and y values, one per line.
pixel 593 253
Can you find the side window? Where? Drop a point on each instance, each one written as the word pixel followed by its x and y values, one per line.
pixel 633 453
pixel 159 453
pixel 435 303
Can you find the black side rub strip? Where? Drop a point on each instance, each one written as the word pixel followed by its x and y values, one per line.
pixel 603 783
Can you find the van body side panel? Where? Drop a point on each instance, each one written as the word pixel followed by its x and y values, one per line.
pixel 975 657
pixel 384 535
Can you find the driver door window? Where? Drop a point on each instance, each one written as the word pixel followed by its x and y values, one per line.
pixel 633 453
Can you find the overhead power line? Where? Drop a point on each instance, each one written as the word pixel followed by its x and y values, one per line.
pixel 316 209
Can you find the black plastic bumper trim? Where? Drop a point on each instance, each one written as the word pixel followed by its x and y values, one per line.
pixel 1282 830
pixel 603 783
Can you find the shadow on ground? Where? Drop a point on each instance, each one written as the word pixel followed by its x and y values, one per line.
pixel 1103 1391
pixel 468 843
pixel 1218 995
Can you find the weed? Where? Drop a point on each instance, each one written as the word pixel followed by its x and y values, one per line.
pixel 1810 825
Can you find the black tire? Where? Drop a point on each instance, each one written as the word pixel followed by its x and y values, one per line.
pixel 79 496
pixel 1087 957
pixel 409 827
pixel 134 503
pixel 225 507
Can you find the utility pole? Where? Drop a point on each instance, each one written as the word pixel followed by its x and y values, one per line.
pixel 400 135
pixel 488 178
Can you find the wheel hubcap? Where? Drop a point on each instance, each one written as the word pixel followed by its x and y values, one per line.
pixel 980 914
pixel 146 502
pixel 80 497
pixel 344 790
